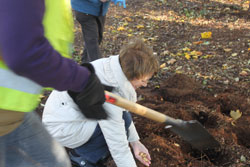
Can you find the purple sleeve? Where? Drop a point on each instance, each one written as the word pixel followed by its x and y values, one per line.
pixel 28 53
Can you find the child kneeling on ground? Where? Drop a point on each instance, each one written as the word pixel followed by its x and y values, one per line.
pixel 92 141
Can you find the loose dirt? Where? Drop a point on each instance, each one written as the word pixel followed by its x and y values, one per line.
pixel 181 97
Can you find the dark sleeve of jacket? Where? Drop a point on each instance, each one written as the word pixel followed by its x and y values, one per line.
pixel 27 52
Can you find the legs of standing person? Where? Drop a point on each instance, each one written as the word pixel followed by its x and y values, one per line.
pixel 30 145
pixel 101 23
pixel 92 29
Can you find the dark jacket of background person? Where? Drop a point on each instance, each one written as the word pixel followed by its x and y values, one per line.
pixel 92 7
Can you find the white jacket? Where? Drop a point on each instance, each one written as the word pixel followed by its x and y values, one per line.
pixel 67 125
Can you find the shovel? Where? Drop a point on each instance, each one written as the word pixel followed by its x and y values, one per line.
pixel 191 131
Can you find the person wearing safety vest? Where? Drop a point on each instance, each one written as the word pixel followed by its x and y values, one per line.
pixel 35 47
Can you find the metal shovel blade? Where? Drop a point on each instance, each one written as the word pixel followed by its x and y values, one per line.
pixel 194 133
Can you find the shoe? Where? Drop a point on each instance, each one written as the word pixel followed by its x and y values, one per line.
pixel 77 161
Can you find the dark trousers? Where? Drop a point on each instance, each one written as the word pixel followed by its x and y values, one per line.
pixel 92 30
pixel 96 151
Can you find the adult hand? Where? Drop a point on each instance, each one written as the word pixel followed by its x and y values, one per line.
pixel 91 98
pixel 141 152
pixel 120 2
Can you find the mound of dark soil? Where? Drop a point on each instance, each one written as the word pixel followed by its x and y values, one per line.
pixel 211 109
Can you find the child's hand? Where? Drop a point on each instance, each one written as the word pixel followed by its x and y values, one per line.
pixel 141 152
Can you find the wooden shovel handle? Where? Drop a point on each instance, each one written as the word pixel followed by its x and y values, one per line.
pixel 135 108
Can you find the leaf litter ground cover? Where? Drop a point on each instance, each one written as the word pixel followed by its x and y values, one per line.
pixel 205 78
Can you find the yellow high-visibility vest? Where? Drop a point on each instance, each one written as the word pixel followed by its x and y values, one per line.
pixel 18 93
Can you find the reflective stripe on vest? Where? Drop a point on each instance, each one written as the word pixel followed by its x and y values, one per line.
pixel 18 93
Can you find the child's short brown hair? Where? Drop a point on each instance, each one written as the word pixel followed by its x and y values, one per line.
pixel 137 60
